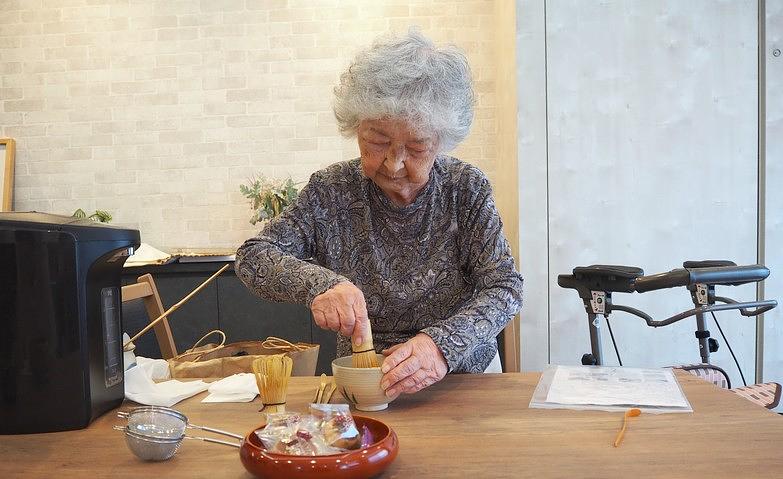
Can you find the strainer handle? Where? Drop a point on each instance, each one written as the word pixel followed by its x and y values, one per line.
pixel 216 431
pixel 216 441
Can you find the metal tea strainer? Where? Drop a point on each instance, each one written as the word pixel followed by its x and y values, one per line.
pixel 155 433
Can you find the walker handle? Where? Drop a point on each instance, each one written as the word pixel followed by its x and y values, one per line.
pixel 721 275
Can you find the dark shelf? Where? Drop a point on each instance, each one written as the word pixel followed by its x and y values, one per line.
pixel 224 304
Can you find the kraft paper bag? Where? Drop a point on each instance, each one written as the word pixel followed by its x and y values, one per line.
pixel 223 360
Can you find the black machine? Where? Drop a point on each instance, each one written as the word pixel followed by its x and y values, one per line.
pixel 60 328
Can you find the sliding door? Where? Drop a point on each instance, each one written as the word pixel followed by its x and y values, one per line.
pixel 650 159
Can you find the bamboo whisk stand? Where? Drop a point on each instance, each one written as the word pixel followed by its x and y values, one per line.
pixel 272 373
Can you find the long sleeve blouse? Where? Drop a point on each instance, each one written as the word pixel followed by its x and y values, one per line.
pixel 440 265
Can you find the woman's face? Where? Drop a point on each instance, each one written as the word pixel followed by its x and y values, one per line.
pixel 396 157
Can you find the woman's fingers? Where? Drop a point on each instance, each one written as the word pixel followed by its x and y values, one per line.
pixel 333 320
pixel 411 384
pixel 320 319
pixel 324 312
pixel 388 351
pixel 336 308
pixel 347 320
pixel 412 366
pixel 360 332
pixel 403 370
pixel 397 354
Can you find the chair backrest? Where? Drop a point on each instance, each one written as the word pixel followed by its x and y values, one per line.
pixel 764 394
pixel 708 372
pixel 146 290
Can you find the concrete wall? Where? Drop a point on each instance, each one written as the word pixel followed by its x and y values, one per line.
pixel 773 205
pixel 644 154
pixel 158 110
pixel 533 182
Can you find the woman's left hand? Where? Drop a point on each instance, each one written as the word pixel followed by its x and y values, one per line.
pixel 412 366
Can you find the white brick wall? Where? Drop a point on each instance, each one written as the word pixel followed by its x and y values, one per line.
pixel 158 110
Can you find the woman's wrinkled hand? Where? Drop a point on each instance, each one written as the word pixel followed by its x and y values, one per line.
pixel 342 308
pixel 412 366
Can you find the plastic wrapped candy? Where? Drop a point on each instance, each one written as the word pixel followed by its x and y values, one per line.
pixel 282 419
pixel 304 441
pixel 336 423
pixel 330 429
pixel 367 438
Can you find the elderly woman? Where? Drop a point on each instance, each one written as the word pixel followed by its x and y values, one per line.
pixel 404 237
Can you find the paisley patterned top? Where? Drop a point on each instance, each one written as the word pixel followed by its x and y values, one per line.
pixel 440 265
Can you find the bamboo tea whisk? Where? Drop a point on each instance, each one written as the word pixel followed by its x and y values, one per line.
pixel 364 353
pixel 272 373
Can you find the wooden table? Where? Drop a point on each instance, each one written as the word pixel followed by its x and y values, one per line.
pixel 470 426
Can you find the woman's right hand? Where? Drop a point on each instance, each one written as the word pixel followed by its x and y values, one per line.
pixel 342 308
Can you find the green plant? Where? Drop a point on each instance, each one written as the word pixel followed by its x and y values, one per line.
pixel 100 216
pixel 268 197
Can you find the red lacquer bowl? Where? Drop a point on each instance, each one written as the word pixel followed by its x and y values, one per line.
pixel 361 463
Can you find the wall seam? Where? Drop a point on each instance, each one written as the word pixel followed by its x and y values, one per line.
pixel 546 151
pixel 762 179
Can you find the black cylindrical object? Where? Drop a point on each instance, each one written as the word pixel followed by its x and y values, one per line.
pixel 60 320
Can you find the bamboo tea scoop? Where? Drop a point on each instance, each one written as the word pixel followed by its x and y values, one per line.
pixel 128 346
pixel 319 393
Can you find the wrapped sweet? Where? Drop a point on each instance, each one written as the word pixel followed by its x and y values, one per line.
pixel 337 425
pixel 303 443
pixel 282 419
pixel 329 429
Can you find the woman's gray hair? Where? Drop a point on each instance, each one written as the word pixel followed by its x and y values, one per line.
pixel 410 78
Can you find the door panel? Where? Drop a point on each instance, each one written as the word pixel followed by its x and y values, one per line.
pixel 652 160
pixel 773 321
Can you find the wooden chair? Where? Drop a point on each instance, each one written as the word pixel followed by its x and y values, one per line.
pixel 763 394
pixel 146 290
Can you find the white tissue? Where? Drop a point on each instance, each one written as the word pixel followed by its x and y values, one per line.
pixel 128 358
pixel 141 387
pixel 236 388
pixel 154 368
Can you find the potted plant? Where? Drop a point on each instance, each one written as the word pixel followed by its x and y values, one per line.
pixel 99 216
pixel 268 196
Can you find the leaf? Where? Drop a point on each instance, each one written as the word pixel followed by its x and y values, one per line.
pixel 268 197
pixel 291 193
pixel 101 216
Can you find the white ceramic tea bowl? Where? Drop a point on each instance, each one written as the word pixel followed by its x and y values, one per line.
pixel 361 387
